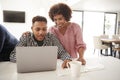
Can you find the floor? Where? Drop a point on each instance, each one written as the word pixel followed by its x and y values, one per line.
pixel 90 53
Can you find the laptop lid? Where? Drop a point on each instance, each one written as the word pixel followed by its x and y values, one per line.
pixel 31 59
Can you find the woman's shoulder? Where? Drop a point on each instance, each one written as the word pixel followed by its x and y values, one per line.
pixel 74 25
pixel 52 29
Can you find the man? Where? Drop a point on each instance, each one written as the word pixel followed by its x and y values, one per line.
pixel 7 43
pixel 40 37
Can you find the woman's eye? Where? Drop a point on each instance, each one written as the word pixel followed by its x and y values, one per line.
pixel 37 29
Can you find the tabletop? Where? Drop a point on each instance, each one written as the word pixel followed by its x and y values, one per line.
pixel 100 68
pixel 110 40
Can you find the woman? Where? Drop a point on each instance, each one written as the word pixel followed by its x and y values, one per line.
pixel 69 33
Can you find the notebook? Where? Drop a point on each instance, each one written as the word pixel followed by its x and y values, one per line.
pixel 32 59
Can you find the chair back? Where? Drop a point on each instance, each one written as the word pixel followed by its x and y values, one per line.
pixel 104 36
pixel 115 36
pixel 97 41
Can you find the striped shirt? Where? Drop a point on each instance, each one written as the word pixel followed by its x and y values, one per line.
pixel 50 40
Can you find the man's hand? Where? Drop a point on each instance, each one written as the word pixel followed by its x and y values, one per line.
pixel 64 64
pixel 82 60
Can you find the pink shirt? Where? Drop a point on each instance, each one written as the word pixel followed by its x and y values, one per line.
pixel 72 40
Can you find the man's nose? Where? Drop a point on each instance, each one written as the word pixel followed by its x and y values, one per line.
pixel 41 31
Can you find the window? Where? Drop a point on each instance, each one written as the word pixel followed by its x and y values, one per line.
pixel 77 17
pixel 110 23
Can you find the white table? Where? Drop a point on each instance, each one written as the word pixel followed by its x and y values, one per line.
pixel 111 71
pixel 110 41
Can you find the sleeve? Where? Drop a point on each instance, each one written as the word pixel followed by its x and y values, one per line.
pixel 52 30
pixel 22 42
pixel 62 53
pixel 79 37
pixel 2 39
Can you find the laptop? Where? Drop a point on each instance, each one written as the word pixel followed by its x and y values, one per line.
pixel 35 59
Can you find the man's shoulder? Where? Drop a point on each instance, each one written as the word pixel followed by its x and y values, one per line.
pixel 29 35
pixel 51 36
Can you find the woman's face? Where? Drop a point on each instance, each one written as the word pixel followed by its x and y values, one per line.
pixel 59 20
pixel 39 29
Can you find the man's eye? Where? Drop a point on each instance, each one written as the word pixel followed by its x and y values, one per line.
pixel 44 29
pixel 60 18
pixel 37 29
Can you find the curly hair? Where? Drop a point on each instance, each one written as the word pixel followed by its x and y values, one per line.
pixel 39 18
pixel 60 8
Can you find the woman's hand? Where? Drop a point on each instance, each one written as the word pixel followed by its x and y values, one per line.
pixel 82 60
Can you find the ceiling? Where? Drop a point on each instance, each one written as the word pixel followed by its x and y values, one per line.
pixel 93 5
pixel 98 5
pixel 88 5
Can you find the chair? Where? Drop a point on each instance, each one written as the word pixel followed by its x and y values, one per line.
pixel 116 50
pixel 115 36
pixel 116 47
pixel 98 45
pixel 104 36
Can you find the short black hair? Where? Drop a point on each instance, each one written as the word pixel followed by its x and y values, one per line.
pixel 39 18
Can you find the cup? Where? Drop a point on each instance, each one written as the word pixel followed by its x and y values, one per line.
pixel 75 67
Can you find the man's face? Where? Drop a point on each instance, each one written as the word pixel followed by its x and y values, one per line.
pixel 39 29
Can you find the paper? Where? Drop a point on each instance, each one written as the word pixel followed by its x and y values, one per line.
pixel 91 66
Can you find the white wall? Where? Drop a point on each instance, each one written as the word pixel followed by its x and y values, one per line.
pixel 98 5
pixel 1 17
pixel 118 22
pixel 41 7
pixel 31 9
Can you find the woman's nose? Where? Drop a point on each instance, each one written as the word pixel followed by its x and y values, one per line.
pixel 57 21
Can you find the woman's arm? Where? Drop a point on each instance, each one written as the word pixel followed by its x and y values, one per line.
pixel 80 45
pixel 81 56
